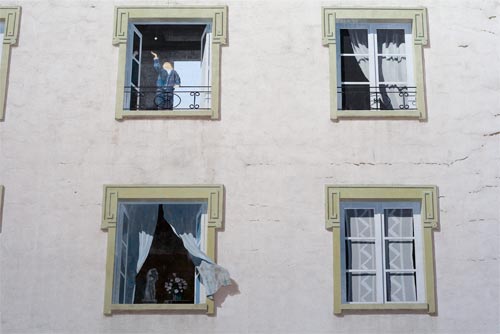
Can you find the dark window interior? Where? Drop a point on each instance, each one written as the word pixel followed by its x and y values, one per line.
pixel 168 256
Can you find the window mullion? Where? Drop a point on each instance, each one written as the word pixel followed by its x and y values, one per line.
pixel 380 254
pixel 372 48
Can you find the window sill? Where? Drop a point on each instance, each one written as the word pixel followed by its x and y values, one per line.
pixel 389 306
pixel 178 113
pixel 376 114
pixel 157 307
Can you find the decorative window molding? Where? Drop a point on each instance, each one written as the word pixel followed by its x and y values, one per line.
pixel 332 17
pixel 9 18
pixel 337 196
pixel 2 191
pixel 216 15
pixel 211 195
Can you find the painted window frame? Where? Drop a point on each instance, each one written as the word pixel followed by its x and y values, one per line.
pixel 2 192
pixel 212 194
pixel 418 19
pixel 11 17
pixel 427 196
pixel 218 15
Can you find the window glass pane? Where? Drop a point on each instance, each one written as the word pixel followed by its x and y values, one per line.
pixel 355 97
pixel 398 222
pixel 354 41
pixel 136 46
pixel 360 223
pixel 125 228
pixel 134 99
pixel 122 289
pixel 123 258
pixel 360 255
pixel 392 68
pixel 354 69
pixel 361 288
pixel 135 73
pixel 391 41
pixel 399 254
pixel 401 287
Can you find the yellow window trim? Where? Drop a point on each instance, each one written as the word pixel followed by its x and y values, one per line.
pixel 428 197
pixel 218 15
pixel 10 16
pixel 212 194
pixel 2 191
pixel 418 19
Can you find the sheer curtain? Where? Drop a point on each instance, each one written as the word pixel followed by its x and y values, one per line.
pixel 400 255
pixel 143 219
pixel 391 66
pixel 362 285
pixel 182 219
pixel 359 44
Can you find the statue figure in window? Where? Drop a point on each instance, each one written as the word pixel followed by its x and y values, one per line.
pixel 150 290
pixel 167 81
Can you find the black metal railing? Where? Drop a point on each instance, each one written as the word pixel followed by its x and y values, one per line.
pixel 157 98
pixel 382 97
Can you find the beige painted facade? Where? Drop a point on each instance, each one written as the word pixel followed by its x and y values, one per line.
pixel 274 149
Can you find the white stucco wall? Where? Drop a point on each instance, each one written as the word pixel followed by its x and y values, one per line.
pixel 274 149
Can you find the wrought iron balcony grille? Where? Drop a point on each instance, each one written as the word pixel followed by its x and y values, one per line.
pixel 382 97
pixel 157 98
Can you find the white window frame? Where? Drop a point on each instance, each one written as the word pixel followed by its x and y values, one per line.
pixel 378 207
pixel 373 80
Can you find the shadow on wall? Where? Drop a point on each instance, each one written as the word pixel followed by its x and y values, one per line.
pixel 229 290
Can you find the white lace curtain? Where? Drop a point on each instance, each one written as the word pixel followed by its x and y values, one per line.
pixel 391 62
pixel 391 66
pixel 142 222
pixel 359 44
pixel 361 255
pixel 183 224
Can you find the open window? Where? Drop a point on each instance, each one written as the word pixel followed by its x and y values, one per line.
pixel 177 77
pixel 9 30
pixel 376 66
pixel 171 61
pixel 382 247
pixel 161 248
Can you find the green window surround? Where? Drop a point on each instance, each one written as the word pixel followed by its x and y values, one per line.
pixel 9 16
pixel 216 15
pixel 416 18
pixel 2 190
pixel 212 195
pixel 338 197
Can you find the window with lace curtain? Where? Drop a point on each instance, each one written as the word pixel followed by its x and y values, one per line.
pixel 376 62
pixel 374 67
pixel 382 247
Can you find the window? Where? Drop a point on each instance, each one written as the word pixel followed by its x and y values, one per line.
pixel 376 62
pixel 9 29
pixel 169 61
pixel 383 257
pixel 161 247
